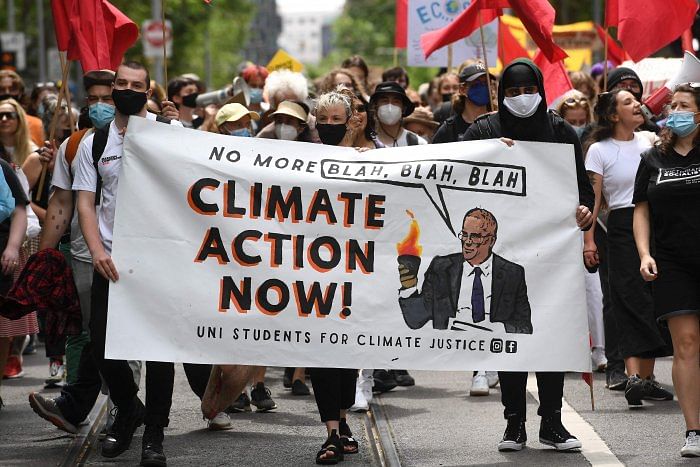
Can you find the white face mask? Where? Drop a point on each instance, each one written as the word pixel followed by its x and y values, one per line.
pixel 389 114
pixel 285 131
pixel 524 105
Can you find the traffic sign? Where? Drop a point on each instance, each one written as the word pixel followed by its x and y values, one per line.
pixel 14 42
pixel 152 38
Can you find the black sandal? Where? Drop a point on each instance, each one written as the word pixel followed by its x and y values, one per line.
pixel 333 445
pixel 350 445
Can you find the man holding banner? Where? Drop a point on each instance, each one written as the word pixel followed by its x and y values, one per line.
pixel 523 115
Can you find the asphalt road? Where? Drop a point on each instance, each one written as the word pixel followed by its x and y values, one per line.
pixel 433 423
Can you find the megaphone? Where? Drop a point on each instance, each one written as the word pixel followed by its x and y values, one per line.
pixel 241 87
pixel 689 73
pixel 217 97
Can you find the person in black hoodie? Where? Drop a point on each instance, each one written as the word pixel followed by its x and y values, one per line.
pixel 522 115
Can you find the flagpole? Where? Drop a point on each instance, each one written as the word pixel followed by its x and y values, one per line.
pixel 449 58
pixel 396 57
pixel 605 62
pixel 486 63
pixel 590 387
pixel 165 53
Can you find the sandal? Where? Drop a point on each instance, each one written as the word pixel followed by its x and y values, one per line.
pixel 350 445
pixel 332 445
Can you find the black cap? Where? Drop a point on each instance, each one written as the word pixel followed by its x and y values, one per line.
pixel 620 74
pixel 391 87
pixel 472 72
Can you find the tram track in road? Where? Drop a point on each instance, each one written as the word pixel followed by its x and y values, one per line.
pixel 380 434
pixel 87 438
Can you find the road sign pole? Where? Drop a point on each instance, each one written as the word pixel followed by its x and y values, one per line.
pixel 157 68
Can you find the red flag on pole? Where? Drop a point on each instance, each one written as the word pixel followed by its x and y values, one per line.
pixel 556 78
pixel 687 41
pixel 508 46
pixel 538 18
pixel 401 24
pixel 94 32
pixel 616 53
pixel 645 26
pixel 611 13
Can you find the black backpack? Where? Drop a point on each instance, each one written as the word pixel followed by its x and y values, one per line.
pixel 99 143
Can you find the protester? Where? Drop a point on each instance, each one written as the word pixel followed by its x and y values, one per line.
pixel 390 104
pixel 471 101
pixel 282 85
pixel 448 86
pixel 421 123
pixel 576 108
pixel 12 86
pixel 334 388
pixel 397 75
pixel 672 209
pixel 290 122
pixel 584 83
pixel 365 136
pixel 522 115
pixel 340 77
pixel 39 92
pixel 612 162
pixel 235 120
pixel 255 77
pixel 183 92
pixel 358 67
pixel 627 79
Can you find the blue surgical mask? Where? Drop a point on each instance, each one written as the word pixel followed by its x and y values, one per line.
pixel 242 132
pixel 682 122
pixel 478 93
pixel 579 130
pixel 101 114
pixel 255 95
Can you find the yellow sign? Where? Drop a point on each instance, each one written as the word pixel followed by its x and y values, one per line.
pixel 579 40
pixel 283 61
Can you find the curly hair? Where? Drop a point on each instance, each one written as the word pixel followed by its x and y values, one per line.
pixel 605 108
pixel 327 84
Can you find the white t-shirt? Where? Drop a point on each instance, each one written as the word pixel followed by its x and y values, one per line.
pixel 63 178
pixel 109 166
pixel 617 162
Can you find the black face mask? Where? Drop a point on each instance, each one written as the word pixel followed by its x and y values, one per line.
pixel 128 101
pixel 446 97
pixel 8 96
pixel 331 134
pixel 190 100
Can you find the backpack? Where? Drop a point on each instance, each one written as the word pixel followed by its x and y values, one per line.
pixel 411 138
pixel 99 143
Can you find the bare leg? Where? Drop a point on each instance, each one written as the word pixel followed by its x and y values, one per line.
pixel 226 383
pixel 644 367
pixel 258 375
pixel 685 334
pixel 299 374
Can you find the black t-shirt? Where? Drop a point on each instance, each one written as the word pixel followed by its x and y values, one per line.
pixel 17 193
pixel 670 183
pixel 451 130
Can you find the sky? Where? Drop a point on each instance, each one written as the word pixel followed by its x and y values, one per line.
pixel 322 6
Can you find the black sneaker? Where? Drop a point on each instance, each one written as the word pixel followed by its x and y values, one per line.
pixel 125 423
pixel 403 378
pixel 152 447
pixel 654 392
pixel 287 378
pixel 383 381
pixel 615 379
pixel 553 433
pixel 515 436
pixel 299 388
pixel 242 404
pixel 260 398
pixel 47 409
pixel 634 392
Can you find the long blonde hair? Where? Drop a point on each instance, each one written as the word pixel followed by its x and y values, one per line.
pixel 22 145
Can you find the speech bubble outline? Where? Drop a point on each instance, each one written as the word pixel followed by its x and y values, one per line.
pixel 436 197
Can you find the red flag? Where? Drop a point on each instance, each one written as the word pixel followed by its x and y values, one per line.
pixel 556 78
pixel 616 53
pixel 538 18
pixel 466 23
pixel 400 24
pixel 645 26
pixel 508 46
pixel 611 13
pixel 94 32
pixel 588 378
pixel 687 41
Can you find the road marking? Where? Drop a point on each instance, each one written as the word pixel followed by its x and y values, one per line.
pixel 87 436
pixel 383 433
pixel 594 448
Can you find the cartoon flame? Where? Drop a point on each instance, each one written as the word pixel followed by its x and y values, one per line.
pixel 409 245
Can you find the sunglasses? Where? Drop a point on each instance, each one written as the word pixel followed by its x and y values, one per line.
pixel 693 85
pixel 8 115
pixel 574 101
pixel 48 84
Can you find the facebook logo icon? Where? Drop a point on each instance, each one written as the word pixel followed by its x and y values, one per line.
pixel 511 346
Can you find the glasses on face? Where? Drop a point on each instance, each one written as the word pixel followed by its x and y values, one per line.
pixel 476 238
pixel 693 85
pixel 8 115
pixel 574 101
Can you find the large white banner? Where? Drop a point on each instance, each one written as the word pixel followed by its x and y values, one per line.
pixel 265 252
pixel 431 15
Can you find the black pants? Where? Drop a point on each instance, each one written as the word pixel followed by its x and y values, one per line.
pixel 334 390
pixel 77 399
pixel 550 386
pixel 612 345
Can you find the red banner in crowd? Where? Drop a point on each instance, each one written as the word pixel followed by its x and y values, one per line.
pixel 616 53
pixel 556 78
pixel 401 24
pixel 508 46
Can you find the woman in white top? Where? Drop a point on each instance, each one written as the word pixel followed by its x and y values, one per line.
pixel 612 163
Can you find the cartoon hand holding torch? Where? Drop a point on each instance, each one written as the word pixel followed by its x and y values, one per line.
pixel 409 252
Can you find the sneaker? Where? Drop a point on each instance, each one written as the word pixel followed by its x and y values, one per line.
pixel 402 378
pixel 30 349
pixel 152 447
pixel 492 376
pixel 515 436
pixel 692 444
pixel 260 398
pixel 553 433
pixel 13 367
pixel 119 436
pixel 383 381
pixel 220 422
pixel 634 392
pixel 242 404
pixel 480 385
pixel 598 359
pixel 654 392
pixel 47 409
pixel 361 403
pixel 615 380
pixel 299 388
pixel 287 378
pixel 57 373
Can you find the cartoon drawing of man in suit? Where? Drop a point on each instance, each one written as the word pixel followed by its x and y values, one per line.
pixel 468 289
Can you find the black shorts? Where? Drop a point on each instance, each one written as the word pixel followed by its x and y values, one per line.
pixel 677 289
